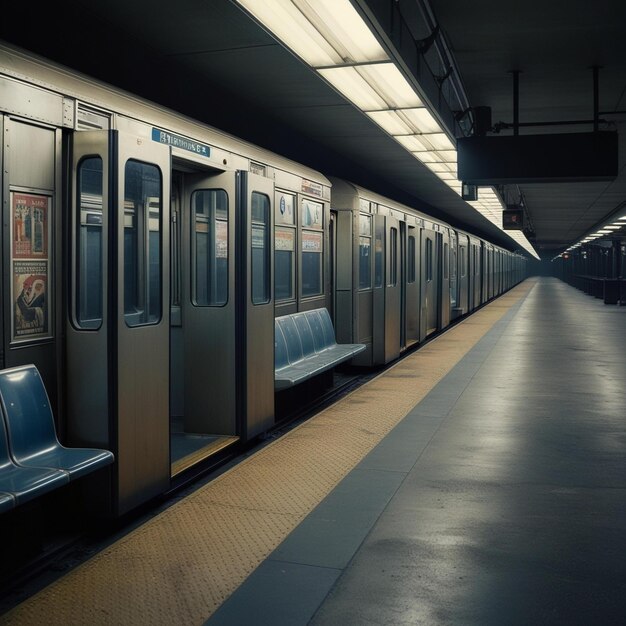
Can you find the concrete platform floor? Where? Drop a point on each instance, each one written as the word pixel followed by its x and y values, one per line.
pixel 499 499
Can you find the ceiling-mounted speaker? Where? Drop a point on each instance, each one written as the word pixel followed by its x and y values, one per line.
pixel 482 120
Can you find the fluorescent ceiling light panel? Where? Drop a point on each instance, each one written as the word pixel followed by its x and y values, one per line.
pixel 438 167
pixel 323 32
pixel 439 141
pixel 449 156
pixel 429 157
pixel 421 120
pixel 414 143
pixel 612 227
pixel 354 87
pixel 389 82
pixel 390 122
pixel 341 25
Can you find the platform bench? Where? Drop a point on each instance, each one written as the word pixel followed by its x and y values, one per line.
pixel 305 346
pixel 32 461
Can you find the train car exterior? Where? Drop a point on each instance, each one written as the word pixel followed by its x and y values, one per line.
pixel 145 257
pixel 145 246
pixel 390 273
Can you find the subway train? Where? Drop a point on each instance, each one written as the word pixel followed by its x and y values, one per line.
pixel 146 256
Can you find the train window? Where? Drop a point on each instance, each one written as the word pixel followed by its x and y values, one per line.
pixel 378 260
pixel 463 261
pixel 209 208
pixel 312 214
pixel 393 257
pixel 365 247
pixel 284 245
pixel 260 248
pixel 142 243
pixel 365 225
pixel 411 259
pixel 365 263
pixel 446 261
pixel 429 259
pixel 89 276
pixel 311 263
pixel 284 257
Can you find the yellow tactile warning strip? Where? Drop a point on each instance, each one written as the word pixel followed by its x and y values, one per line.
pixel 181 565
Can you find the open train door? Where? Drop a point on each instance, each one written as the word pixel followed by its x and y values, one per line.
pixel 118 323
pixel 255 300
pixel 226 362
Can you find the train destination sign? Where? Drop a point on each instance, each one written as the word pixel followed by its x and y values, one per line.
pixel 178 141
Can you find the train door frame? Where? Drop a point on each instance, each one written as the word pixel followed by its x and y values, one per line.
pixel 386 300
pixel 332 269
pixel 131 338
pixel 235 400
pixel 429 280
pixel 412 299
pixel 444 278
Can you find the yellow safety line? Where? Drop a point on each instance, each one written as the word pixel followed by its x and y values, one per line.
pixel 180 566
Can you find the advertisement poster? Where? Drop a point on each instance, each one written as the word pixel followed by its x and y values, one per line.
pixel 30 226
pixel 311 242
pixel 30 291
pixel 312 213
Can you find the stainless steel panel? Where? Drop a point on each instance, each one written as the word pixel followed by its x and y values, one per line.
pixel 444 298
pixel 429 286
pixel 142 356
pixel 31 155
pixel 346 317
pixel 365 329
pixel 259 323
pixel 44 178
pixel 463 301
pixel 30 102
pixel 378 296
pixel 393 289
pixel 87 350
pixel 209 331
pixel 412 298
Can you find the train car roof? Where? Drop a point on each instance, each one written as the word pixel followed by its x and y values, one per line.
pixel 54 77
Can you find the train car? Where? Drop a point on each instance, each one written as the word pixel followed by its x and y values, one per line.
pixel 145 257
pixel 162 250
pixel 389 273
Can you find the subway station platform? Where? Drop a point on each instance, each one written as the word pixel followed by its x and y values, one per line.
pixel 481 480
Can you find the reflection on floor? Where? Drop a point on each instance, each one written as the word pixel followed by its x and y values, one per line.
pixel 186 449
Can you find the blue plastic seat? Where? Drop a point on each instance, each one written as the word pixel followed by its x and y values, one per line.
pixel 31 432
pixel 308 338
pixel 20 484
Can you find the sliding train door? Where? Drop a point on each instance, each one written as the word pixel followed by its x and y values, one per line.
pixel 430 289
pixel 444 272
pixel 141 299
pixel 118 322
pixel 223 344
pixel 387 290
pixel 412 295
pixel 204 364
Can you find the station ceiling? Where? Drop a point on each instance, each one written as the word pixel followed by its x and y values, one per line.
pixel 211 61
